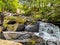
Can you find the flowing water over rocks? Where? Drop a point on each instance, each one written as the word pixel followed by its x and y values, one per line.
pixel 49 32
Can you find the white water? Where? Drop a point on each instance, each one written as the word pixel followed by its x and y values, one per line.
pixel 48 31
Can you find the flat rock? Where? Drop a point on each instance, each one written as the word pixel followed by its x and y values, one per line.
pixel 6 42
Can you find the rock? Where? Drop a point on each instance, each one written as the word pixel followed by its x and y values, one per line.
pixel 1 18
pixel 20 27
pixel 24 36
pixel 51 43
pixel 6 42
pixel 32 28
pixel 2 36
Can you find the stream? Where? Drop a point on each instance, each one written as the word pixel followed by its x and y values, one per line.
pixel 49 32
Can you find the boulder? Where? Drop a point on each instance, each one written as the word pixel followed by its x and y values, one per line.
pixel 32 28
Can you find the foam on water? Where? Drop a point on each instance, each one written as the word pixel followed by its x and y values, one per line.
pixel 49 31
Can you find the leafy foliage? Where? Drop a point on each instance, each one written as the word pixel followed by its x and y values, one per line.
pixel 9 5
pixel 38 9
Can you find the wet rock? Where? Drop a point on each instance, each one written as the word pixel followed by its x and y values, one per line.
pixel 20 27
pixel 24 36
pixel 1 18
pixel 1 36
pixel 32 28
pixel 51 43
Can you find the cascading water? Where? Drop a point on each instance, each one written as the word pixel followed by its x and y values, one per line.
pixel 49 32
pixel 50 29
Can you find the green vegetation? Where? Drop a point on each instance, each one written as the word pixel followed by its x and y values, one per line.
pixel 9 5
pixel 45 10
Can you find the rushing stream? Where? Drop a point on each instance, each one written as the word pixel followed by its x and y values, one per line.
pixel 49 32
